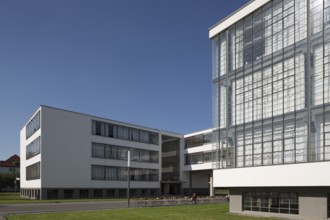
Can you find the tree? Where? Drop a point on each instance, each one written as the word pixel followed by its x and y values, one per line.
pixel 7 180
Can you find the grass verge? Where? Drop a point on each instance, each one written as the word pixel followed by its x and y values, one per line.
pixel 191 212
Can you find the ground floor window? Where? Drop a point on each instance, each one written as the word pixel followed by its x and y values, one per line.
pixel 122 193
pixel 52 194
pixel 97 193
pixel 83 193
pixel 110 193
pixel 68 194
pixel 133 192
pixel 144 192
pixel 276 202
pixel 154 192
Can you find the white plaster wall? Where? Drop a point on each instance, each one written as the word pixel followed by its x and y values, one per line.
pixel 196 167
pixel 200 180
pixel 66 149
pixel 306 174
pixel 203 148
pixel 23 162
pixel 66 152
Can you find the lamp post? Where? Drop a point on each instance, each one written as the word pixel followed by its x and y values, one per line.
pixel 128 177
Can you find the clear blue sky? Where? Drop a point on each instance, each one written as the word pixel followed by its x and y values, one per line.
pixel 145 62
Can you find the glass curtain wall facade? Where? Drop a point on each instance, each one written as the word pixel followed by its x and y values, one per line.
pixel 170 176
pixel 271 78
pixel 170 158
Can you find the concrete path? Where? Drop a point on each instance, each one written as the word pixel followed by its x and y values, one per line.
pixel 60 207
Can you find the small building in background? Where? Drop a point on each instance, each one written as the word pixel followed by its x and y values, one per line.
pixel 11 165
pixel 10 172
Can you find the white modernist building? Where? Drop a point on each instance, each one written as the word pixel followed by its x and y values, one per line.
pixel 66 154
pixel 270 140
pixel 271 108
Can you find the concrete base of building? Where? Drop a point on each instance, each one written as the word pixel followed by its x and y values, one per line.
pixel 83 193
pixel 31 193
pixel 69 193
pixel 312 203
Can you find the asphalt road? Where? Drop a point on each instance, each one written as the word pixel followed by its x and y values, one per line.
pixel 60 207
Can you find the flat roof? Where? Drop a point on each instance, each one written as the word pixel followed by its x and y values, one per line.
pixel 163 132
pixel 237 15
pixel 206 131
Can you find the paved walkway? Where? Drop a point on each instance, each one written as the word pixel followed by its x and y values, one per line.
pixel 60 207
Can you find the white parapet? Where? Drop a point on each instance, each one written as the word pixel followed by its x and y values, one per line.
pixel 292 175
pixel 236 16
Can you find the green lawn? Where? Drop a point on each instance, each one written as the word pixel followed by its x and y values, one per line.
pixel 14 198
pixel 191 212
